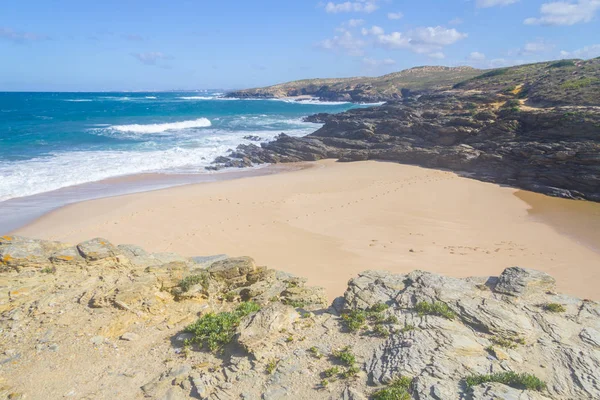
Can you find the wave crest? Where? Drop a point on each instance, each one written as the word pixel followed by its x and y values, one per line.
pixel 159 128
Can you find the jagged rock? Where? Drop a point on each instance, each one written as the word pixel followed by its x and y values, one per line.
pixel 257 332
pixel 236 272
pixel 518 281
pixel 17 252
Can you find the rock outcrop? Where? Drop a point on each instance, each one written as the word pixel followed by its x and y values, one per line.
pixel 98 321
pixel 535 127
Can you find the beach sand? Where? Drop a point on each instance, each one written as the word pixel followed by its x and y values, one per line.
pixel 331 221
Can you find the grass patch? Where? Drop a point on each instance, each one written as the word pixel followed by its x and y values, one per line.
pixel 345 356
pixel 354 320
pixel 48 270
pixel 554 307
pixel 216 330
pixel 186 283
pixel 315 352
pixel 437 308
pixel 271 367
pixel 381 331
pixel 562 64
pixel 351 372
pixel 332 372
pixel 579 83
pixel 492 73
pixel 397 390
pixel 507 342
pixel 512 379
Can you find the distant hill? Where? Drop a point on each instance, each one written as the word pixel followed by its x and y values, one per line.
pixel 563 82
pixel 383 88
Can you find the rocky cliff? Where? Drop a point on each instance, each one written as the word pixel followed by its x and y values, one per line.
pixel 98 321
pixel 535 127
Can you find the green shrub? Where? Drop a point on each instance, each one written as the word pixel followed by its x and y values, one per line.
pixel 48 270
pixel 345 356
pixel 407 328
pixel 186 283
pixel 351 372
pixel 216 330
pixel 354 320
pixel 379 307
pixel 492 73
pixel 507 342
pixel 436 308
pixel 381 331
pixel 397 390
pixel 562 63
pixel 518 381
pixel 554 307
pixel 579 83
pixel 331 372
pixel 512 105
pixel 271 367
pixel 315 352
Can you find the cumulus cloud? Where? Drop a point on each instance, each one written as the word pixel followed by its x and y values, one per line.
pixel 345 42
pixel 565 13
pixel 20 37
pixel 422 40
pixel 366 6
pixel 353 23
pixel 437 55
pixel 591 51
pixel 538 47
pixel 395 15
pixel 476 56
pixel 151 58
pixel 370 62
pixel 494 3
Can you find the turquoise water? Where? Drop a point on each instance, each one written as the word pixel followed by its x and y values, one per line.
pixel 50 141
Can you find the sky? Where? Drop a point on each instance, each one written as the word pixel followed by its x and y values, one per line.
pixel 75 45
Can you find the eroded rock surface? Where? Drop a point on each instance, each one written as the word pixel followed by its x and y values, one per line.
pixel 98 321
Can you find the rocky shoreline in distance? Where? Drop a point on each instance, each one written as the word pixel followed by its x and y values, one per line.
pixel 98 321
pixel 534 127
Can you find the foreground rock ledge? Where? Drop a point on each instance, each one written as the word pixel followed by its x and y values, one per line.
pixel 98 321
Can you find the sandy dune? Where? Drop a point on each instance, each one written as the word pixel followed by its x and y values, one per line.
pixel 330 222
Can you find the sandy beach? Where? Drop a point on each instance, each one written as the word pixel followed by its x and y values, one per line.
pixel 333 220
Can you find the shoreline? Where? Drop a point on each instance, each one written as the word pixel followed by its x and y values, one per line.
pixel 38 205
pixel 331 222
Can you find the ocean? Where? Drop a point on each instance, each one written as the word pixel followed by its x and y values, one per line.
pixel 50 142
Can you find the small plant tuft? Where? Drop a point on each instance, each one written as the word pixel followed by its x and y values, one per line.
pixel 351 372
pixel 216 330
pixel 48 270
pixel 332 372
pixel 379 307
pixel 381 331
pixel 554 307
pixel 345 356
pixel 436 308
pixel 186 283
pixel 512 379
pixel 315 352
pixel 354 320
pixel 271 366
pixel 397 390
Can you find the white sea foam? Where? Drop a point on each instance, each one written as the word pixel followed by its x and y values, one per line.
pixel 196 98
pixel 78 100
pixel 150 97
pixel 159 128
pixel 44 174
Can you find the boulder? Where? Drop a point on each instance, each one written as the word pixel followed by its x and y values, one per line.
pixel 519 282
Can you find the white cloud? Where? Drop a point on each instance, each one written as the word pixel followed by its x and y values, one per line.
pixel 437 55
pixel 531 48
pixel 353 23
pixel 476 56
pixel 565 13
pixel 366 6
pixel 345 42
pixel 423 40
pixel 374 30
pixel 151 58
pixel 494 3
pixel 395 15
pixel 20 37
pixel 585 52
pixel 377 63
pixel 455 21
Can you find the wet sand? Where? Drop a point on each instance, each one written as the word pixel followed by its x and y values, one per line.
pixel 330 222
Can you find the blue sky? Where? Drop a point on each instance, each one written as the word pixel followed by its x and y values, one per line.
pixel 159 45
